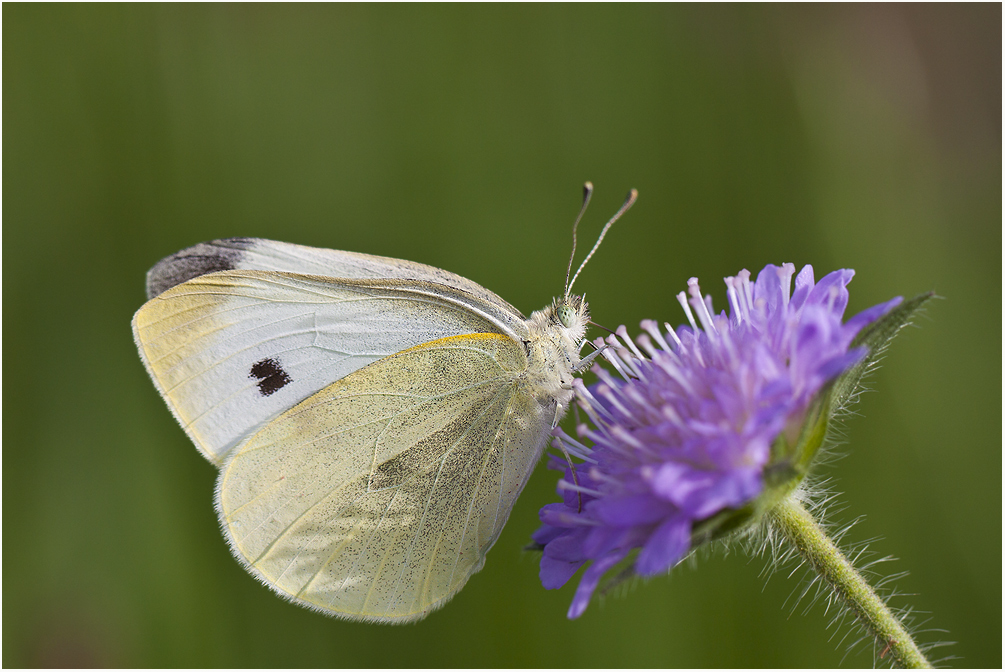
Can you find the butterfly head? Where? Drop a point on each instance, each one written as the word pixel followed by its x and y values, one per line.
pixel 572 313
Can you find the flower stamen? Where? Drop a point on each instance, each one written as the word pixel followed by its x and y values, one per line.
pixel 673 335
pixel 566 485
pixel 701 307
pixel 682 299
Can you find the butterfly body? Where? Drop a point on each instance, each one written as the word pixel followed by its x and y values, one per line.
pixel 373 419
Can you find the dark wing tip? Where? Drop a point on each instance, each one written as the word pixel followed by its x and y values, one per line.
pixel 224 254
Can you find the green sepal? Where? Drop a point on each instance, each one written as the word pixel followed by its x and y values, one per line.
pixel 813 433
pixel 722 523
pixel 875 336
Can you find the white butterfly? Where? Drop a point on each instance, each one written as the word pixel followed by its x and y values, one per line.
pixel 373 419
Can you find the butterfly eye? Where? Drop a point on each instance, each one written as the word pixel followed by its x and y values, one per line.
pixel 566 315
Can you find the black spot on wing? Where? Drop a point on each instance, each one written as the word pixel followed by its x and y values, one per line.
pixel 270 375
pixel 217 255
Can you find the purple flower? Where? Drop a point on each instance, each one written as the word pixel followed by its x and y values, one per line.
pixel 688 429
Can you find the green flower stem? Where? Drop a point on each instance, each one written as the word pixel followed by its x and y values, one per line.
pixel 795 522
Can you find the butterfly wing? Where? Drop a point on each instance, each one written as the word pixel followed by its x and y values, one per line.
pixel 231 350
pixel 259 254
pixel 378 497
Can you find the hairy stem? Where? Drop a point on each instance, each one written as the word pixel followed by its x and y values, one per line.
pixel 792 519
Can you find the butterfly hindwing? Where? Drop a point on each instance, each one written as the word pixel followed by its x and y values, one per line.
pixel 378 497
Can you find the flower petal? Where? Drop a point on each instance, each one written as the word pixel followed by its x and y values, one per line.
pixel 643 509
pixel 870 315
pixel 665 547
pixel 838 365
pixel 568 547
pixel 701 492
pixel 768 288
pixel 560 515
pixel 837 282
pixel 804 283
pixel 556 573
pixel 546 533
pixel 591 577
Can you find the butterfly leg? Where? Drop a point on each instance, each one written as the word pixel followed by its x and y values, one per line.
pixel 586 361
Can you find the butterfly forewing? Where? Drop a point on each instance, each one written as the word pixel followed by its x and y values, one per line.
pixel 377 497
pixel 259 254
pixel 232 350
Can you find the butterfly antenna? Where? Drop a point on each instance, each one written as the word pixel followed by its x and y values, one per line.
pixel 610 331
pixel 629 202
pixel 587 193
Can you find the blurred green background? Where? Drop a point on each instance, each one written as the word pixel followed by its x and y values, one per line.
pixel 843 136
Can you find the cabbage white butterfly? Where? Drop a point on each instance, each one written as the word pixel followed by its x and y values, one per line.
pixel 373 419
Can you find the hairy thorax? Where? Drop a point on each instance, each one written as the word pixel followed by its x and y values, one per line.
pixel 553 348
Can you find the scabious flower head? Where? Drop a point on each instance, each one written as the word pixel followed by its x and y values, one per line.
pixel 684 442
